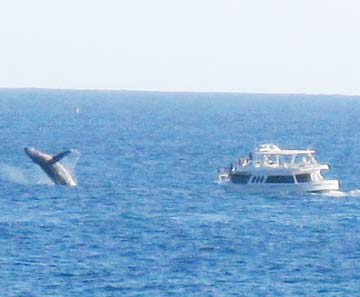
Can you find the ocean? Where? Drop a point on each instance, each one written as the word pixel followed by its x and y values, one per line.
pixel 149 217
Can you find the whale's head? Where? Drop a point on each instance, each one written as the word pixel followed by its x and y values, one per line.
pixel 34 154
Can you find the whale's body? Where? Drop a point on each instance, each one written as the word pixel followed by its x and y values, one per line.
pixel 51 166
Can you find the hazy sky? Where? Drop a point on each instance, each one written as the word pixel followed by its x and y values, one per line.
pixel 292 46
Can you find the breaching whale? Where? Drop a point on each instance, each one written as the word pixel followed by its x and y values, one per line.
pixel 51 166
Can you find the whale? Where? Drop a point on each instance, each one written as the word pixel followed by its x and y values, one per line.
pixel 51 166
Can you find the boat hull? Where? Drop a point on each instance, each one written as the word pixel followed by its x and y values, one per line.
pixel 309 187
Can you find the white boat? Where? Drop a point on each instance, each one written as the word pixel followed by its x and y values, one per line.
pixel 269 168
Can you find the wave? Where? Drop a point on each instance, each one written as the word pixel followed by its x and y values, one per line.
pixel 341 194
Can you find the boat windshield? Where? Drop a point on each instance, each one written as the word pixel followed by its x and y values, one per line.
pixel 306 159
pixel 284 160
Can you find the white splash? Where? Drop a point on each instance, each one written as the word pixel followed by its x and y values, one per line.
pixel 14 174
pixel 341 194
pixel 70 162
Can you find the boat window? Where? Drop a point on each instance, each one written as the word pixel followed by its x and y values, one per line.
pixel 280 179
pixel 299 159
pixel 286 159
pixel 303 178
pixel 270 160
pixel 240 178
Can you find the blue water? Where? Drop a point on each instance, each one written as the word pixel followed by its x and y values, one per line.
pixel 149 219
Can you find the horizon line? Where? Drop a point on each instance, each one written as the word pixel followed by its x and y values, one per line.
pixel 178 91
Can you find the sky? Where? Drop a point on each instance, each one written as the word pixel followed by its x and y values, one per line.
pixel 260 46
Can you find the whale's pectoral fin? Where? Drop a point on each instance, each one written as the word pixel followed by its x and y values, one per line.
pixel 58 157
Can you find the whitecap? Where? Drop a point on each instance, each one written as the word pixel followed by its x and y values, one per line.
pixel 340 194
